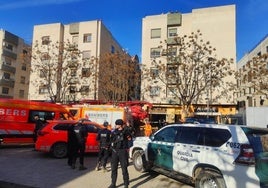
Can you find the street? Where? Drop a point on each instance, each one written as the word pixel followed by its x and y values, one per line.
pixel 22 167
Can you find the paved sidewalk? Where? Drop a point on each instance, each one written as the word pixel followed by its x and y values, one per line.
pixel 31 169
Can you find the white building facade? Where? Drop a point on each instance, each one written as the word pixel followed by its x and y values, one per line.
pixel 92 39
pixel 217 25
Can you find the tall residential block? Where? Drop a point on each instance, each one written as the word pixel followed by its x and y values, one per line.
pixel 217 25
pixel 87 43
pixel 15 69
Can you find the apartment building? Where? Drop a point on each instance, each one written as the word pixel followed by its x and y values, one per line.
pixel 217 25
pixel 252 93
pixel 87 43
pixel 15 69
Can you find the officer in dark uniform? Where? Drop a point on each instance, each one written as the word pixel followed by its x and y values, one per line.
pixel 104 138
pixel 81 134
pixel 38 125
pixel 71 144
pixel 119 146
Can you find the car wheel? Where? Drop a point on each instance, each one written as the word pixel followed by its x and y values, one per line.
pixel 59 150
pixel 139 161
pixel 209 179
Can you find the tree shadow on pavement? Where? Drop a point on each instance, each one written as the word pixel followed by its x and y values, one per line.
pixel 148 176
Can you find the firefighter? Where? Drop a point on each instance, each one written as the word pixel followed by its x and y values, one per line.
pixel 119 146
pixel 104 138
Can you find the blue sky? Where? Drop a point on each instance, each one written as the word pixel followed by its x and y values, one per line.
pixel 124 17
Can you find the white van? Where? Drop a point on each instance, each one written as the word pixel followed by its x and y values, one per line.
pixel 206 155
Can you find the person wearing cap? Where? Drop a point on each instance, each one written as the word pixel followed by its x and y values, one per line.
pixel 119 146
pixel 104 138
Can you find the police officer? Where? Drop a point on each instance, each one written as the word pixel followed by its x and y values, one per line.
pixel 104 138
pixel 38 124
pixel 81 134
pixel 119 145
pixel 72 144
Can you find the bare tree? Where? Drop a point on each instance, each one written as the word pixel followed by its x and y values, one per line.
pixel 119 76
pixel 190 71
pixel 55 65
pixel 254 77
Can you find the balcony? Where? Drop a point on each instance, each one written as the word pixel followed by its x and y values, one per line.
pixel 7 82
pixel 8 68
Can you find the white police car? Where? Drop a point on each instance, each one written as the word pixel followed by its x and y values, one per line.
pixel 208 155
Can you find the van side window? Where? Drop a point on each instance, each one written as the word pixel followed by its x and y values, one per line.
pixel 166 135
pixel 216 137
pixel 190 135
pixel 44 115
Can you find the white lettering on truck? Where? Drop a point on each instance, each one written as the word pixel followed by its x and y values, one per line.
pixel 13 112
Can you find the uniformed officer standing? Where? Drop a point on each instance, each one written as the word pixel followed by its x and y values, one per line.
pixel 81 134
pixel 119 144
pixel 104 138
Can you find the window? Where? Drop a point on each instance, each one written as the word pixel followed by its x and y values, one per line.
pixel 23 67
pixel 45 56
pixel 84 90
pixel 45 40
pixel 189 135
pixel 85 72
pixel 5 90
pixel 112 49
pixel 62 126
pixel 44 115
pixel 155 52
pixel 166 135
pixel 212 137
pixel 75 39
pixel 21 93
pixel 215 137
pixel 87 38
pixel 154 72
pixel 72 89
pixel 155 91
pixel 86 54
pixel 43 90
pixel 22 79
pixel 73 72
pixel 155 33
pixel 172 32
pixel 172 52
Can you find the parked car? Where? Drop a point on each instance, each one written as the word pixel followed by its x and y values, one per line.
pixel 52 138
pixel 206 155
